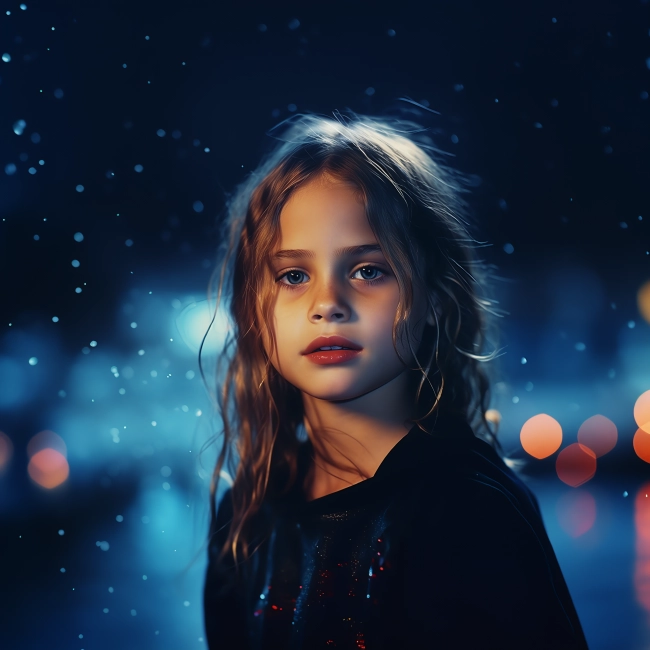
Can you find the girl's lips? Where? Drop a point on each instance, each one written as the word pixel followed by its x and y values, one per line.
pixel 327 357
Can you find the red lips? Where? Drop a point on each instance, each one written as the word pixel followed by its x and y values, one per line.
pixel 328 341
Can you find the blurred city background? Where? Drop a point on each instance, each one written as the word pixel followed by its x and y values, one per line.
pixel 124 126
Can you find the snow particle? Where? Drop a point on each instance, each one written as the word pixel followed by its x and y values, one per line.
pixel 78 236
pixel 76 263
pixel 10 169
pixel 79 188
pixel 6 57
pixel 509 248
pixel 197 206
pixel 33 361
pixel 293 24
pixel 58 93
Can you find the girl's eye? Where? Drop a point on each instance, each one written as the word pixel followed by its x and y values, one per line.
pixel 293 276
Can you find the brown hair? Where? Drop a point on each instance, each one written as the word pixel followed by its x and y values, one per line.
pixel 415 208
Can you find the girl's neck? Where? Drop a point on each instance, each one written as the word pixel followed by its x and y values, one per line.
pixel 351 439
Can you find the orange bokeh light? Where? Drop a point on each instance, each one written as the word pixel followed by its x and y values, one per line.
pixel 6 450
pixel 642 411
pixel 541 436
pixel 641 444
pixel 492 415
pixel 643 300
pixel 576 512
pixel 599 434
pixel 46 439
pixel 575 464
pixel 48 468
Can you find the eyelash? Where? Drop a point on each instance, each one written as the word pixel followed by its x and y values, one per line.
pixel 291 287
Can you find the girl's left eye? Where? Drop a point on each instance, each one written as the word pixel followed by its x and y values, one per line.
pixel 364 270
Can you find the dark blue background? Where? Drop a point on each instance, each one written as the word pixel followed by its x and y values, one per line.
pixel 545 105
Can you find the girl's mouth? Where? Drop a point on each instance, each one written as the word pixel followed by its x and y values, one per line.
pixel 327 357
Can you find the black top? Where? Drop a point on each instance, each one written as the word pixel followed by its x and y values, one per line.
pixel 443 547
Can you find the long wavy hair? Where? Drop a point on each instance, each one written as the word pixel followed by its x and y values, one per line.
pixel 415 206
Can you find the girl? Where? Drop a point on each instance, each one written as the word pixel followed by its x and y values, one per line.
pixel 370 508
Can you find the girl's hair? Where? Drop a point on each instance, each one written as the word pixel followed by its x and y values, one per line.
pixel 415 208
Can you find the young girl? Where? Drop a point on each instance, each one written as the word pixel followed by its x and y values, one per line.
pixel 369 508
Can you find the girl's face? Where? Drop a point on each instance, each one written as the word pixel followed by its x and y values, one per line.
pixel 322 291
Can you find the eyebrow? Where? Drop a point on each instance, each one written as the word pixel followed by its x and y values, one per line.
pixel 294 253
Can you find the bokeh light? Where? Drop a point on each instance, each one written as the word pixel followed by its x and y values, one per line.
pixel 642 564
pixel 575 464
pixel 642 411
pixel 494 418
pixel 6 451
pixel 541 436
pixel 599 434
pixel 46 439
pixel 576 512
pixel 193 323
pixel 641 444
pixel 48 468
pixel 643 300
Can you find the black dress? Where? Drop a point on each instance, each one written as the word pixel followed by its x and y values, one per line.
pixel 444 547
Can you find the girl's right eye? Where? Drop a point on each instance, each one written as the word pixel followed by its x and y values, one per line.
pixel 287 274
